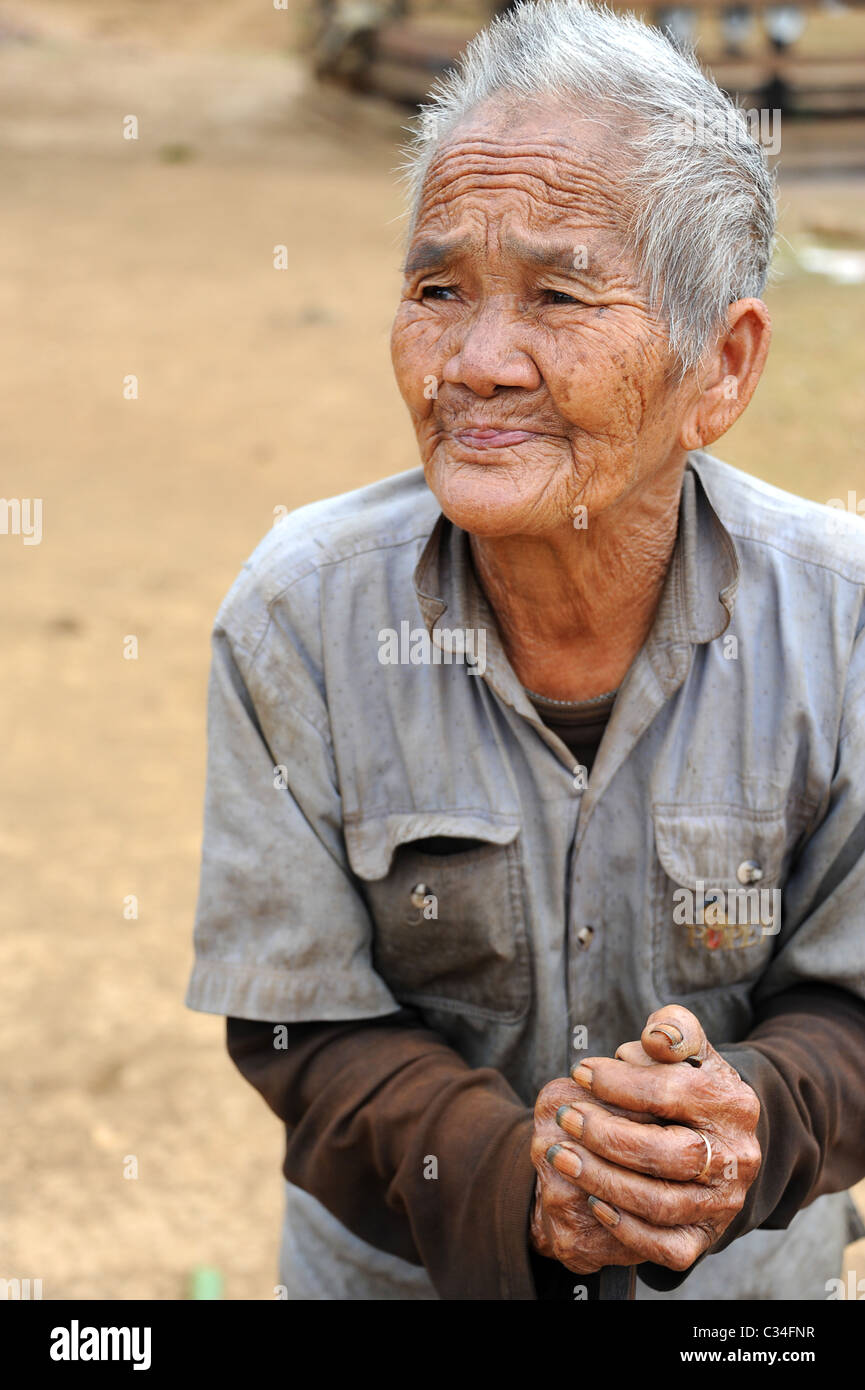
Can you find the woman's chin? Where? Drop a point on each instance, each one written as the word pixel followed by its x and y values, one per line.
pixel 484 501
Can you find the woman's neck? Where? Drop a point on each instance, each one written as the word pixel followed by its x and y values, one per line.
pixel 575 606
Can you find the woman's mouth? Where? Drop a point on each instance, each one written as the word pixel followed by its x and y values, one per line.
pixel 488 438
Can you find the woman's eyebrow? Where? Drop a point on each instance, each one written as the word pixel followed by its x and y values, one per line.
pixel 563 256
pixel 432 256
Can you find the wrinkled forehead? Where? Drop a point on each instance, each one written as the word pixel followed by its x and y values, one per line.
pixel 539 163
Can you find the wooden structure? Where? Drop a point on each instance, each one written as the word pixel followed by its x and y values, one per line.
pixel 393 48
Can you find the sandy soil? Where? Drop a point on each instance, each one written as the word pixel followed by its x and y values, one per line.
pixel 257 389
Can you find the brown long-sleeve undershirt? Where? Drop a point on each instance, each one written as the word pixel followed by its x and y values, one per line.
pixel 366 1103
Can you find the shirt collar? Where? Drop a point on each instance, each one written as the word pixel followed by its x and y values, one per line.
pixel 710 563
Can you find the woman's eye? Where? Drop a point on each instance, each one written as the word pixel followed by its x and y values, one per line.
pixel 559 297
pixel 436 291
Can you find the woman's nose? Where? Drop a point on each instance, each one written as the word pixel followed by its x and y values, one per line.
pixel 490 354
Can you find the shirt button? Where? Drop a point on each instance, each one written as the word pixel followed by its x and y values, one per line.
pixel 419 895
pixel 749 872
pixel 584 937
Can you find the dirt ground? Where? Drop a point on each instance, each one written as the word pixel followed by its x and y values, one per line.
pixel 258 389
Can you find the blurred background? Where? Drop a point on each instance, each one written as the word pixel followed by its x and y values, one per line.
pixel 168 393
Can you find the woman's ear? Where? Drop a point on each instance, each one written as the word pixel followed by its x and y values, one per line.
pixel 727 381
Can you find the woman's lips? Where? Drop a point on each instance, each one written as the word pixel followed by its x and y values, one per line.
pixel 492 438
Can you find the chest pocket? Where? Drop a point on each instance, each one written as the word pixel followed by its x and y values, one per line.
pixel 715 896
pixel 449 930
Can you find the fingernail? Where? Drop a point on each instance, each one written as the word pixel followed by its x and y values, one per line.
pixel 583 1077
pixel 605 1213
pixel 668 1030
pixel 569 1163
pixel 575 1123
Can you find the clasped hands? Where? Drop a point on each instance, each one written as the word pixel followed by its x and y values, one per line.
pixel 644 1156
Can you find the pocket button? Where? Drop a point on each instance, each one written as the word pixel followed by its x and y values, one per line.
pixel 749 871
pixel 419 894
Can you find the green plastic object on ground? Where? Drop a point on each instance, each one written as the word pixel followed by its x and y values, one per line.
pixel 205 1283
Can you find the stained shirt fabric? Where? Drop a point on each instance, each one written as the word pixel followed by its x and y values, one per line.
pixel 556 907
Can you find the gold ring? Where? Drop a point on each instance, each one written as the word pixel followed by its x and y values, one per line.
pixel 707 1165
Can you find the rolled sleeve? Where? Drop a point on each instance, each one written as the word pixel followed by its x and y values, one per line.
pixel 281 931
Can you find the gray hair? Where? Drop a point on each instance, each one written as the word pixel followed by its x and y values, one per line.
pixel 702 229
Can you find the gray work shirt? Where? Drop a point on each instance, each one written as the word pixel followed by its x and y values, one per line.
pixel 734 760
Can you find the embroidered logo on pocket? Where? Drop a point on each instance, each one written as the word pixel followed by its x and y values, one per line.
pixel 715 894
pixel 727 919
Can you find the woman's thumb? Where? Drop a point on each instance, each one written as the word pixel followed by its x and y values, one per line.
pixel 674 1034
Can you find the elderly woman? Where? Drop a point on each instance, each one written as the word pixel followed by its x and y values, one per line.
pixel 516 757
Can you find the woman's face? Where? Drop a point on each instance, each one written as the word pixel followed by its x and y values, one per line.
pixel 537 377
